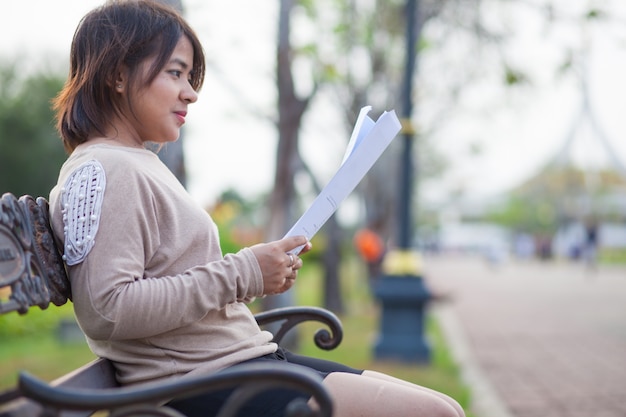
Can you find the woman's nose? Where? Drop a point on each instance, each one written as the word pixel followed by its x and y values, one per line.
pixel 189 95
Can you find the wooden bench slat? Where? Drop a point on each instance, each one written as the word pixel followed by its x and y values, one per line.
pixel 97 374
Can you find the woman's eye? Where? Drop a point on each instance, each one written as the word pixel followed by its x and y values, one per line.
pixel 176 73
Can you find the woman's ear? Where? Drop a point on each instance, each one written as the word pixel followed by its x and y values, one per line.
pixel 120 84
pixel 119 81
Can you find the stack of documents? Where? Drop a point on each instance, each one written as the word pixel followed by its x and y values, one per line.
pixel 368 141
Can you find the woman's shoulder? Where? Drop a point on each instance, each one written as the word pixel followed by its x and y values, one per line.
pixel 112 154
pixel 111 175
pixel 116 161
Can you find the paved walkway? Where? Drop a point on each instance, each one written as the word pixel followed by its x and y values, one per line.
pixel 536 339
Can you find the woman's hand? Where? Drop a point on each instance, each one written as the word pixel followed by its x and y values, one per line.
pixel 280 268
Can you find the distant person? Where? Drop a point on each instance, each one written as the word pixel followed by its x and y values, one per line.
pixel 544 247
pixel 590 249
pixel 524 246
pixel 151 289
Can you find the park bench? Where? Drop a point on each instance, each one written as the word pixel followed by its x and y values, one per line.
pixel 33 270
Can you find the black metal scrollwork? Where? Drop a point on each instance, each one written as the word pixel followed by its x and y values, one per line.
pixel 30 263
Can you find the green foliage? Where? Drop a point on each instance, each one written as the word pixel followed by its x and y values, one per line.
pixel 236 222
pixel 614 256
pixel 43 354
pixel 530 215
pixel 595 14
pixel 34 322
pixel 32 342
pixel 30 151
pixel 555 196
pixel 514 77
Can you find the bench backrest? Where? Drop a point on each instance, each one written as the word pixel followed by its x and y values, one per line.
pixel 31 266
pixel 32 273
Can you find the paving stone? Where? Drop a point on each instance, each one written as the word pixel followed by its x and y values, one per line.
pixel 548 337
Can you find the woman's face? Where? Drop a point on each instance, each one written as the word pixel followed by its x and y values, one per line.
pixel 159 109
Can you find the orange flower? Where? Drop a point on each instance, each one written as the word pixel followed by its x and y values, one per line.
pixel 369 245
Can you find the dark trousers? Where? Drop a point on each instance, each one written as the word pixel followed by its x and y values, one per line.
pixel 269 403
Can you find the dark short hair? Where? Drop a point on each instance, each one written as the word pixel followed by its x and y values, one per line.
pixel 119 34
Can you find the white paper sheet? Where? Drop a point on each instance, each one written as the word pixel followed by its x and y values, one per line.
pixel 368 141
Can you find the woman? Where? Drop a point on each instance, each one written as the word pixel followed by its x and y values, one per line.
pixel 151 289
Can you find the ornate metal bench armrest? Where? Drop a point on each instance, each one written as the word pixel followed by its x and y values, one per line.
pixel 294 315
pixel 249 378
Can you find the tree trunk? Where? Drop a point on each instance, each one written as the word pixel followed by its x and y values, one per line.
pixel 290 111
pixel 172 154
pixel 331 258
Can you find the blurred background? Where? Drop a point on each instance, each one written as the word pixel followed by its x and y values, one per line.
pixel 517 110
pixel 517 124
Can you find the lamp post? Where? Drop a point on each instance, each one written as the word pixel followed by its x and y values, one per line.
pixel 401 290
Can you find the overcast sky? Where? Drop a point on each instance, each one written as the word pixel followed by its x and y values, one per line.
pixel 522 129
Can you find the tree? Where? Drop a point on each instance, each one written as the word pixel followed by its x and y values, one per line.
pixel 172 154
pixel 291 108
pixel 357 48
pixel 31 152
pixel 367 63
pixel 367 67
pixel 560 195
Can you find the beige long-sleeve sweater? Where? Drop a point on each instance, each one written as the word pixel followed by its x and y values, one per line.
pixel 151 289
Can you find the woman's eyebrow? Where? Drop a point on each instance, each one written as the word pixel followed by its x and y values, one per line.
pixel 180 62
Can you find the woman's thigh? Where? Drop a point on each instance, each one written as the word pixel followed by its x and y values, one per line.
pixel 269 403
pixel 359 395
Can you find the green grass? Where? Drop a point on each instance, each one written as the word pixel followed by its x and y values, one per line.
pixel 615 256
pixel 42 355
pixel 30 342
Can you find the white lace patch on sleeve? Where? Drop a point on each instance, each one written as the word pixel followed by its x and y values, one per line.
pixel 81 198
